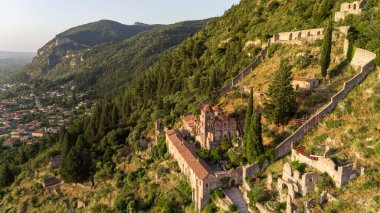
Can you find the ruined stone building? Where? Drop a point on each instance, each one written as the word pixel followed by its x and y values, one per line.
pixel 202 178
pixel 212 126
pixel 355 8
pixel 304 83
pixel 363 59
pixel 295 182
pixel 341 174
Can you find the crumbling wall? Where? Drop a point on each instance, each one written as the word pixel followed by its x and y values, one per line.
pixel 340 174
pixel 354 8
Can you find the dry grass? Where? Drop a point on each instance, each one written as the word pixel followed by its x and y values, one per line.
pixel 308 101
pixel 357 134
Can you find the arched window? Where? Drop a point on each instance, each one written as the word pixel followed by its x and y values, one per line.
pixel 354 6
pixel 206 185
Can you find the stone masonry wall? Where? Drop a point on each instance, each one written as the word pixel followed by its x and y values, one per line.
pixel 285 147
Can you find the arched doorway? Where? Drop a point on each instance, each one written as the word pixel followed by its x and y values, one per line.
pixel 276 37
pixel 233 183
pixel 290 36
pixel 284 189
pixel 354 6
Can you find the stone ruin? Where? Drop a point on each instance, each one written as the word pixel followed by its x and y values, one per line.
pixel 295 182
pixel 354 8
pixel 305 36
pixel 363 59
pixel 341 174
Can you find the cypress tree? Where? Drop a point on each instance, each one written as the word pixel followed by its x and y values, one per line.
pixel 281 105
pixel 255 147
pixel 114 116
pixel 6 176
pixel 66 145
pixel 325 58
pixel 247 122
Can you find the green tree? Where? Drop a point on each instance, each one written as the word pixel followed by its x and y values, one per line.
pixel 6 176
pixel 66 144
pixel 77 165
pixel 254 147
pixel 247 122
pixel 225 145
pixel 281 105
pixel 325 58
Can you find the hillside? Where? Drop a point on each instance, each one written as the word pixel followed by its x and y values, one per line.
pixel 115 161
pixel 89 71
pixel 353 129
pixel 79 38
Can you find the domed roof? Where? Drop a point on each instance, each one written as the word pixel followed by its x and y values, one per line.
pixel 217 109
pixel 206 108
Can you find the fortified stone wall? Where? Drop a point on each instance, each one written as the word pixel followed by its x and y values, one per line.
pixel 285 147
pixel 305 36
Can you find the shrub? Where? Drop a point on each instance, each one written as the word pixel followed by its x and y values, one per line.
pixel 101 208
pixel 376 105
pixel 298 166
pixel 159 151
pixel 210 208
pixel 302 62
pixel 273 5
pixel 272 49
pixel 204 154
pixel 333 124
pixel 224 181
pixel 34 201
pixel 120 203
pixel 320 138
pixel 376 198
pixel 258 194
pixel 325 182
pixel 232 207
pixel 218 193
pixel 377 149
pixel 37 187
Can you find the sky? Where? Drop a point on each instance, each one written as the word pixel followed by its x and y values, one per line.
pixel 26 25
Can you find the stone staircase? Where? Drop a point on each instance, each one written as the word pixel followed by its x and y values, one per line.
pixel 236 196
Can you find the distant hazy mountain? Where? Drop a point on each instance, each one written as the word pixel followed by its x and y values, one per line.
pixel 78 38
pixel 13 61
pixel 108 67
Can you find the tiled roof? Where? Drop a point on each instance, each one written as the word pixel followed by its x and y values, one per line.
pixel 217 109
pixel 297 78
pixel 301 150
pixel 197 165
pixel 189 120
pixel 206 108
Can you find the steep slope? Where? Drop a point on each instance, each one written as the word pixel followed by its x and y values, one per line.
pixel 354 129
pixel 107 68
pixel 79 38
pixel 181 78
